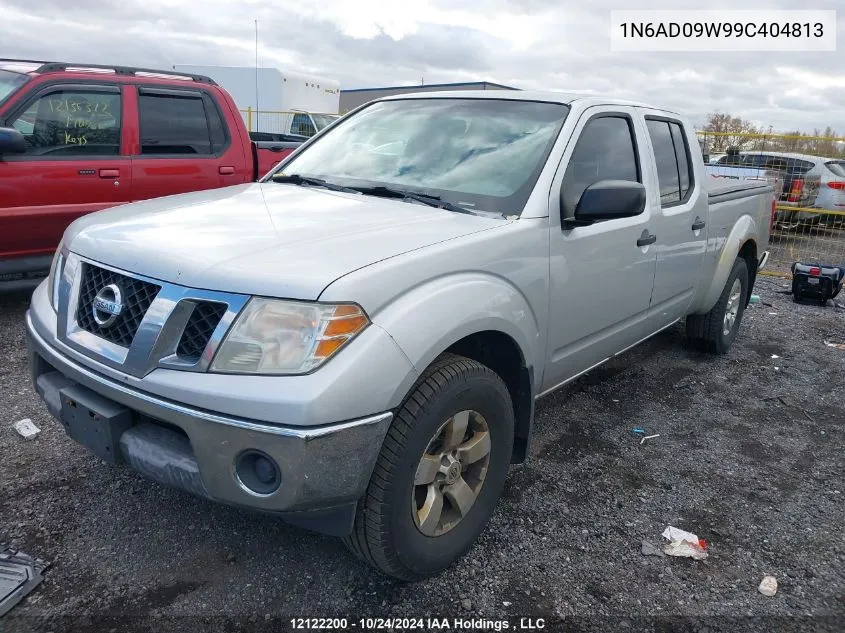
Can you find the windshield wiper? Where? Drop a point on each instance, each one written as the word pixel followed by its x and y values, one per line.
pixel 297 179
pixel 424 198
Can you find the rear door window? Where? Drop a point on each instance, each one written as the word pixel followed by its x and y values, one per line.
pixel 666 161
pixel 756 160
pixel 798 166
pixel 672 158
pixel 216 126
pixel 71 122
pixel 683 157
pixel 174 124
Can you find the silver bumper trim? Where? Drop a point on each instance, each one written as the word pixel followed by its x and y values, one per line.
pixel 324 469
pixel 303 433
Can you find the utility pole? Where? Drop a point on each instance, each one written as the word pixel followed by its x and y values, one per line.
pixel 256 67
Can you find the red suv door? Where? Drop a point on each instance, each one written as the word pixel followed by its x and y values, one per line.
pixel 183 145
pixel 73 165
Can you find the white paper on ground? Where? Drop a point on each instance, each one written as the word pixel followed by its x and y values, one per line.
pixel 676 534
pixel 682 543
pixel 26 428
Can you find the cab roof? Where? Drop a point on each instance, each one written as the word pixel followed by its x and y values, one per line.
pixel 525 95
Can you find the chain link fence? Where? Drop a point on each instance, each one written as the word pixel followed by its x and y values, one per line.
pixel 808 173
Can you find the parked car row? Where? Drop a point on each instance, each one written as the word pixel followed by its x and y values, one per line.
pixel 808 182
pixel 74 140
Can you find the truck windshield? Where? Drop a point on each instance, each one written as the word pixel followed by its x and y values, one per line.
pixel 9 82
pixel 480 154
pixel 323 120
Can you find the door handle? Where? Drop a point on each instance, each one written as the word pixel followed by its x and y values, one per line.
pixel 646 238
pixel 698 224
pixel 109 173
pixel 226 171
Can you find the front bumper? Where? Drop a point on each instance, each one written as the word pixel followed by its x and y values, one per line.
pixel 324 469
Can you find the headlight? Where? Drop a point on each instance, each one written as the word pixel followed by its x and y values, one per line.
pixel 55 277
pixel 286 337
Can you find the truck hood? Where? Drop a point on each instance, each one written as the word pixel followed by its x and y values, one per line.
pixel 269 239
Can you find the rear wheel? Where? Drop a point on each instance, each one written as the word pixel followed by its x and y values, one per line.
pixel 796 291
pixel 440 471
pixel 715 331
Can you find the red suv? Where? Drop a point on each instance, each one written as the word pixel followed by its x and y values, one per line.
pixel 78 138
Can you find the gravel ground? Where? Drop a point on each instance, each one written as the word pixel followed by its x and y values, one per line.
pixel 750 457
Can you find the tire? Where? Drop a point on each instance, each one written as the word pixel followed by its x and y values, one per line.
pixel 387 533
pixel 707 331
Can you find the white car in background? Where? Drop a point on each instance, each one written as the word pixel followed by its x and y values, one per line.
pixel 829 171
pixel 832 194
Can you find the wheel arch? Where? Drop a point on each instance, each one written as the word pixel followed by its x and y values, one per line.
pixel 748 252
pixel 741 242
pixel 482 317
pixel 502 354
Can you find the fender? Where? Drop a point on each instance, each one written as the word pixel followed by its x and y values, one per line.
pixel 429 318
pixel 744 229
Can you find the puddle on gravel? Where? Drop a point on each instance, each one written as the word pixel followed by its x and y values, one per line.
pixel 165 595
pixel 754 449
pixel 767 349
pixel 575 441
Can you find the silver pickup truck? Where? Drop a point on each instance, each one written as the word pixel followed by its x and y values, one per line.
pixel 356 342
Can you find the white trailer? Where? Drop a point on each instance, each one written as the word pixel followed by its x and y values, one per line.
pixel 281 102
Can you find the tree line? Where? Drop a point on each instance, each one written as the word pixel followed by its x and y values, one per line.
pixel 731 131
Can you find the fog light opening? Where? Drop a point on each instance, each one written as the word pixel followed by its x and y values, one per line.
pixel 257 473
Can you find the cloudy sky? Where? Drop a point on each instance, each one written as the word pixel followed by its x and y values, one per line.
pixel 543 44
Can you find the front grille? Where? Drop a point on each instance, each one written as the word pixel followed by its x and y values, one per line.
pixel 137 296
pixel 201 325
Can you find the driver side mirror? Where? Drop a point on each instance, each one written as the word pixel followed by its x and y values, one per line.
pixel 607 200
pixel 11 141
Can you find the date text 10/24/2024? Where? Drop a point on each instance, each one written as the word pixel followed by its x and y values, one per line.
pixel 418 624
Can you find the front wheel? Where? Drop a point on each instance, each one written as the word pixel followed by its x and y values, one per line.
pixel 440 471
pixel 715 331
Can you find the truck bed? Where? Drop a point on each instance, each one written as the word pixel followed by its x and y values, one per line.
pixel 721 189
